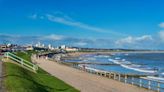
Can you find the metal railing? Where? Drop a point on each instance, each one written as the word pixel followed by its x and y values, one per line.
pixel 138 80
pixel 24 63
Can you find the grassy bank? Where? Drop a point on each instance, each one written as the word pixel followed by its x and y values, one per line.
pixel 18 79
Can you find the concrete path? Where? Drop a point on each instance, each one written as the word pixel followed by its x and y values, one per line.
pixel 86 82
pixel 1 75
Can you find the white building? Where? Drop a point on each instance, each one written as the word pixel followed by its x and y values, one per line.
pixel 29 48
pixel 71 49
pixel 63 47
pixel 40 45
pixel 49 46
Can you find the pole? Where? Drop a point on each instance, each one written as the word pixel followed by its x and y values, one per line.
pixel 132 80
pixel 119 77
pixel 149 84
pixel 140 82
pixel 158 87
pixel 125 79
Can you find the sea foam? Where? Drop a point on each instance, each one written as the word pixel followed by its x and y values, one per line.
pixel 129 65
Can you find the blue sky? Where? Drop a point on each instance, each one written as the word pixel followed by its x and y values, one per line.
pixel 85 23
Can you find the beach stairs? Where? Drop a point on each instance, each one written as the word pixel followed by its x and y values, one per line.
pixel 20 61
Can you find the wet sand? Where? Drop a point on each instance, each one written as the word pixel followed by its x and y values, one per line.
pixel 84 81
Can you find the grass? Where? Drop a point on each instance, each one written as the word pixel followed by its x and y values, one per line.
pixel 25 55
pixel 18 79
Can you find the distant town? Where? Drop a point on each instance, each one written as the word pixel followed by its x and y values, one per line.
pixel 63 48
pixel 38 46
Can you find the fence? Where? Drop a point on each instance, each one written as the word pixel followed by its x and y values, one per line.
pixel 24 63
pixel 138 80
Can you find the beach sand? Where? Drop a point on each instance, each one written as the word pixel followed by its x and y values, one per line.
pixel 84 81
pixel 76 54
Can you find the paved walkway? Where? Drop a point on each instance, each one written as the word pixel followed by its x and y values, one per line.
pixel 86 82
pixel 0 75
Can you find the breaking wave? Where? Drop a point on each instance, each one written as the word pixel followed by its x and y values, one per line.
pixel 135 67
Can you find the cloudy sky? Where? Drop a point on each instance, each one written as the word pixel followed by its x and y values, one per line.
pixel 137 24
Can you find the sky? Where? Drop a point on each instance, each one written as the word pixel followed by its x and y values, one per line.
pixel 131 24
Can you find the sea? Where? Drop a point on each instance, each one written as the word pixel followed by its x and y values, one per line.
pixel 126 63
pixel 150 64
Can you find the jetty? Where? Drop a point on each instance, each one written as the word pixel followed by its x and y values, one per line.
pixel 92 63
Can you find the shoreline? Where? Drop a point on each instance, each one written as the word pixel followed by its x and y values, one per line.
pixel 74 54
pixel 98 71
pixel 84 81
pixel 70 56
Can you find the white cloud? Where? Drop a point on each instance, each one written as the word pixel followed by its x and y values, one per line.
pixel 161 25
pixel 144 38
pixel 80 43
pixel 72 23
pixel 161 35
pixel 54 37
pixel 66 20
pixel 34 16
pixel 127 40
pixel 134 40
pixel 142 42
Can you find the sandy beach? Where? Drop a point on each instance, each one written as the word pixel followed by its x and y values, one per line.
pixel 83 81
pixel 76 54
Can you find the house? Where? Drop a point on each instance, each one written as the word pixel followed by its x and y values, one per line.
pixel 3 47
pixel 71 49
pixel 68 49
pixel 29 48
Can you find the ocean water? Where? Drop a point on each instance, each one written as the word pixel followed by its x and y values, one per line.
pixel 134 63
pixel 129 63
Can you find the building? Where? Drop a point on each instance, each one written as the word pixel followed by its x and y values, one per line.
pixel 62 47
pixel 40 45
pixel 71 49
pixel 68 49
pixel 3 47
pixel 10 47
pixel 29 48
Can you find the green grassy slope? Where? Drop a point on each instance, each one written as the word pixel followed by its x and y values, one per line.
pixel 18 79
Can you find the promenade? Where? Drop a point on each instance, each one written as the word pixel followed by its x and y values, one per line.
pixel 1 89
pixel 85 82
